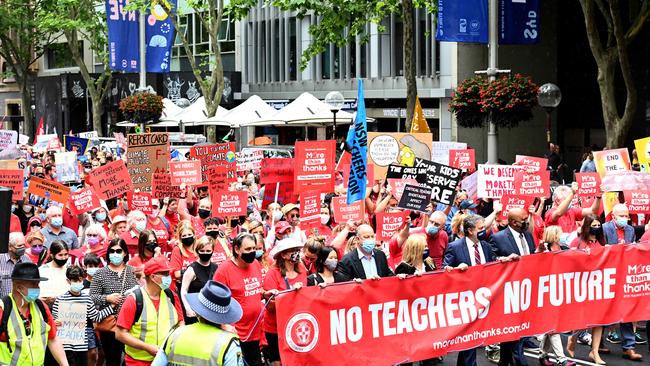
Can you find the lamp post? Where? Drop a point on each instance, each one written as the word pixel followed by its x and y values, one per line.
pixel 549 97
pixel 335 100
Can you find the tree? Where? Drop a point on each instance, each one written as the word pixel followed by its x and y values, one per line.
pixel 611 55
pixel 22 42
pixel 342 22
pixel 77 20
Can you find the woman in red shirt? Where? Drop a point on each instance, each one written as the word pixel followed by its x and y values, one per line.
pixel 147 249
pixel 183 254
pixel 591 234
pixel 287 272
pixel 159 227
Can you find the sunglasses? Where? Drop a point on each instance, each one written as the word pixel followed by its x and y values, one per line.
pixel 294 216
pixel 92 235
pixel 116 251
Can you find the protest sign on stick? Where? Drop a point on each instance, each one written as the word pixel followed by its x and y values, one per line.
pixel 140 201
pixel 314 166
pixel 441 179
pixel 637 201
pixel 415 198
pixel 510 202
pixel 588 184
pixel 111 180
pixel 226 203
pixel 495 181
pixel 83 201
pixel 532 184
pixel 48 189
pixel 462 159
pixel 13 178
pixel 344 212
pixel 388 223
pixel 188 172
pixel 216 154
pixel 310 202
pixel 276 170
pixel 147 153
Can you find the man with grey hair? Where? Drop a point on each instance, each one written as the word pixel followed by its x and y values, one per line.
pixel 9 260
pixel 54 230
pixel 565 216
pixel 136 223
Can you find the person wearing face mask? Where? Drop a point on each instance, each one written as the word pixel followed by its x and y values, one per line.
pixel 310 251
pixel 100 216
pixel 565 216
pixel 286 273
pixel 147 249
pixel 25 213
pixel 590 235
pixel 291 213
pixel 222 250
pixel 14 220
pixel 28 315
pixel 324 228
pixel 273 215
pixel 169 211
pixel 8 261
pixel 198 274
pixel 54 230
pixel 159 311
pixel 242 275
pixel 55 272
pixel 36 251
pixel 35 225
pixel 366 262
pixel 183 254
pixel 326 264
pixel 204 211
pixel 136 222
pixel 95 240
pixel 159 226
pixel 434 232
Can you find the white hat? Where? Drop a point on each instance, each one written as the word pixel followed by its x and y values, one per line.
pixel 285 244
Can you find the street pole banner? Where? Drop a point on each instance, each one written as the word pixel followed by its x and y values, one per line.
pixel 531 164
pixel 422 317
pixel 637 201
pixel 495 181
pixel 533 184
pixel 159 34
pixel 519 22
pixel 608 161
pixel 462 21
pixel 588 184
pixel 123 40
pixel 388 223
pixel 314 166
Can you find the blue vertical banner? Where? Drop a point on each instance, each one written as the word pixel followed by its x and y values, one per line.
pixel 123 54
pixel 519 21
pixel 159 36
pixel 357 141
pixel 462 21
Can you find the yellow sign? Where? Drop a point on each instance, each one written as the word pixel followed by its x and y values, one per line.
pixel 643 150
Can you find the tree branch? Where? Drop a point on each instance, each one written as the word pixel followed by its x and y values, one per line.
pixel 593 35
pixel 638 23
pixel 626 70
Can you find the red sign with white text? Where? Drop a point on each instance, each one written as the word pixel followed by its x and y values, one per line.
pixel 227 203
pixel 588 184
pixel 285 194
pixel 216 154
pixel 397 186
pixel 637 201
pixel 83 200
pixel 217 179
pixel 388 223
pixel 430 315
pixel 535 184
pixel 462 159
pixel 276 170
pixel 314 166
pixel 344 212
pixel 13 178
pixel 531 164
pixel 309 210
pixel 510 202
pixel 188 172
pixel 140 201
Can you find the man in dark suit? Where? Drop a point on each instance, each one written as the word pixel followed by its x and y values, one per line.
pixel 513 242
pixel 366 262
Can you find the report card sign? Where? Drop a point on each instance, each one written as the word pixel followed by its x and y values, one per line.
pixel 148 153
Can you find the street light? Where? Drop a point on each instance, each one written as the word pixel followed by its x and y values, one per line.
pixel 335 100
pixel 549 97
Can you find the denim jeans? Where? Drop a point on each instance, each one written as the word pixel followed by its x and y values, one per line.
pixel 627 336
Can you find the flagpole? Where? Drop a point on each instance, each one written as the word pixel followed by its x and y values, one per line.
pixel 143 53
pixel 493 52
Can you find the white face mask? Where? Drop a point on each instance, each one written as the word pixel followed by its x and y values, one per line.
pixel 324 219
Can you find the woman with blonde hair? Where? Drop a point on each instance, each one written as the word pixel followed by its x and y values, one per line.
pixel 551 242
pixel 457 227
pixel 198 274
pixel 36 250
pixel 95 240
pixel 415 257
pixel 183 254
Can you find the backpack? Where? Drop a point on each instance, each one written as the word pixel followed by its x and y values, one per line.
pixel 6 312
pixel 139 302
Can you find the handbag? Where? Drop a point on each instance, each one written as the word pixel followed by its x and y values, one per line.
pixel 109 324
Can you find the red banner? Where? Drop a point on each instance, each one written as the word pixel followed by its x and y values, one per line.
pixel 163 187
pixel 510 202
pixel 285 194
pixel 13 178
pixel 637 201
pixel 462 159
pixel 423 317
pixel 140 201
pixel 309 210
pixel 111 180
pixel 276 170
pixel 314 166
pixel 388 223
pixel 188 172
pixel 588 184
pixel 344 212
pixel 229 204
pixel 531 164
pixel 83 200
pixel 216 154
pixel 534 184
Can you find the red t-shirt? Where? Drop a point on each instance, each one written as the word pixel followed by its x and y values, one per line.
pixel 161 234
pixel 275 281
pixel 127 316
pixel 620 234
pixel 219 254
pixel 437 245
pixel 179 262
pixel 578 243
pixel 173 220
pixel 246 287
pixel 70 221
pixel 50 320
pixel 197 224
pixel 14 224
pixel 538 230
pixel 567 221
pixel 131 239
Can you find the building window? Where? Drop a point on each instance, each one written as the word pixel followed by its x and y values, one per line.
pixel 199 39
pixel 58 56
pixel 294 58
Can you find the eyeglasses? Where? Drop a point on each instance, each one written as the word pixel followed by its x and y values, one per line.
pixel 294 216
pixel 92 235
pixel 116 251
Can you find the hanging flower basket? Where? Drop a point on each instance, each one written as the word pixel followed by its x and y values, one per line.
pixel 142 107
pixel 509 99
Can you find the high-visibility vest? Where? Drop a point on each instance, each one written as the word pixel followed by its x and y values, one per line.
pixel 198 345
pixel 22 349
pixel 153 325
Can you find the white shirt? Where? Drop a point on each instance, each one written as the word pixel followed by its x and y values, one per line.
pixel 470 247
pixel 369 264
pixel 519 241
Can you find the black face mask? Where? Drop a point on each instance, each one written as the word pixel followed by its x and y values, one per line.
pixel 596 230
pixel 187 241
pixel 60 262
pixel 524 226
pixel 151 246
pixel 203 213
pixel 205 257
pixel 212 233
pixel 248 257
pixel 499 227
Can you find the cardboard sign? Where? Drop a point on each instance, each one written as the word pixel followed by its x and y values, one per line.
pixel 162 187
pixel 276 170
pixel 608 161
pixel 344 212
pixel 441 179
pixel 249 160
pixel 625 180
pixel 531 164
pixel 314 166
pixel 462 159
pixel 8 139
pixel 88 135
pixel 227 203
pixel 388 223
pixel 415 198
pixel 536 184
pixel 285 194
pixel 147 153
pixel 310 203
pixel 440 150
pixel 188 172
pixel 511 202
pixel 67 169
pixel 140 201
pixel 404 172
pixel 397 186
pixel 637 201
pixel 111 180
pixel 386 148
pixel 48 189
pixel 14 180
pixel 218 179
pixel 588 184
pixel 469 184
pixel 73 317
pixel 496 181
pixel 83 200
pixel 216 155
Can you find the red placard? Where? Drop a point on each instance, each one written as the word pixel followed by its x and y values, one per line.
pixel 188 172
pixel 637 201
pixel 314 166
pixel 344 212
pixel 285 194
pixel 276 170
pixel 588 184
pixel 531 164
pixel 535 185
pixel 140 201
pixel 111 180
pixel 217 179
pixel 215 155
pixel 49 189
pixel 163 187
pixel 310 210
pixel 462 159
pixel 83 200
pixel 388 223
pixel 397 186
pixel 510 202
pixel 226 203
pixel 13 178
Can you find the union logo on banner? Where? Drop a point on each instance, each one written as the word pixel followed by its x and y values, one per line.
pixel 302 332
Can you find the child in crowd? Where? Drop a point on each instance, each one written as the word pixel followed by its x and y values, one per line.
pixel 91 263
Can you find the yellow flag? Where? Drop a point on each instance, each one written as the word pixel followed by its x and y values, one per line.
pixel 419 123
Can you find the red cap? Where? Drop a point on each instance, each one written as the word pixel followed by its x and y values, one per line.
pixel 156 265
pixel 281 226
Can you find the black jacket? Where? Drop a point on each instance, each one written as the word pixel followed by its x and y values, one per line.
pixel 350 266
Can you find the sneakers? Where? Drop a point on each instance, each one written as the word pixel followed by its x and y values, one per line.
pixel 545 361
pixel 493 353
pixel 613 337
pixel 638 339
pixel 584 338
pixel 565 363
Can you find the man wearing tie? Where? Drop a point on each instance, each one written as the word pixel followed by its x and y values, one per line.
pixel 513 242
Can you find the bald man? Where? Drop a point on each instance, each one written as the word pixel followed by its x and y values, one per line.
pixel 366 262
pixel 433 229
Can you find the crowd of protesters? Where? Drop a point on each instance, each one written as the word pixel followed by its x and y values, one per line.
pixel 112 257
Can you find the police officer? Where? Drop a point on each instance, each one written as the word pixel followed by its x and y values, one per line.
pixel 205 343
pixel 27 326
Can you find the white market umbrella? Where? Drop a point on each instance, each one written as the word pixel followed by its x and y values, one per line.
pixel 249 113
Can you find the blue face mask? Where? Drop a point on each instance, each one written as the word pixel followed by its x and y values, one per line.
pixel 42 216
pixel 100 216
pixel 166 282
pixel 57 221
pixel 116 258
pixel 432 230
pixel 32 294
pixel 91 271
pixel 621 222
pixel 368 245
pixel 259 254
pixel 76 287
pixel 140 226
